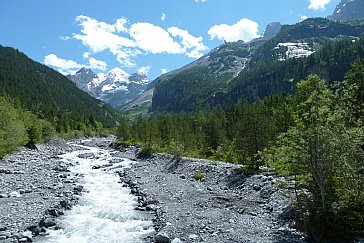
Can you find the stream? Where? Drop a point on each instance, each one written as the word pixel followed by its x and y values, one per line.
pixel 105 212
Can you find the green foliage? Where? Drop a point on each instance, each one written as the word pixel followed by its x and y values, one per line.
pixel 145 152
pixel 19 127
pixel 50 95
pixel 204 85
pixel 234 135
pixel 323 152
pixel 198 176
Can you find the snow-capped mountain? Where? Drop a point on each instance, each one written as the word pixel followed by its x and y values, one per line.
pixel 348 10
pixel 116 87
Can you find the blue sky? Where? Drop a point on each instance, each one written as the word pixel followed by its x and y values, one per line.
pixel 150 36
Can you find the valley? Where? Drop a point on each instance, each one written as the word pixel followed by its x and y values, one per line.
pixel 156 122
pixel 63 202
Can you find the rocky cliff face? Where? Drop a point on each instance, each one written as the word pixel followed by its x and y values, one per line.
pixel 115 87
pixel 272 30
pixel 348 10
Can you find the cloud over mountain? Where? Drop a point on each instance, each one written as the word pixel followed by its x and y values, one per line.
pixel 125 40
pixel 318 4
pixel 66 67
pixel 244 29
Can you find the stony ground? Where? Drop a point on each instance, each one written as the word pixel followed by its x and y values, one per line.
pixel 226 206
pixel 35 187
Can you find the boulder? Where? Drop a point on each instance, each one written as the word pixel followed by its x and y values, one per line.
pixel 47 223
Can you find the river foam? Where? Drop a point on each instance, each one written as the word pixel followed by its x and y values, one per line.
pixel 105 212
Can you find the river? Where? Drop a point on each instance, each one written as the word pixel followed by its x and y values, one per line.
pixel 105 212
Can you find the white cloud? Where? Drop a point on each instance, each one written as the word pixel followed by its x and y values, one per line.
pixel 97 64
pixel 163 70
pixel 192 46
pixel 86 55
pixel 126 41
pixel 120 25
pixel 163 17
pixel 65 38
pixel 154 39
pixel 100 36
pixel 64 66
pixel 144 70
pixel 244 29
pixel 304 17
pixel 318 4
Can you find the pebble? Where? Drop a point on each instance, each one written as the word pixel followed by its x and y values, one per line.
pixel 26 188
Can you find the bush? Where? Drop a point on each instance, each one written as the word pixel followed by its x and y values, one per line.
pixel 146 152
pixel 198 176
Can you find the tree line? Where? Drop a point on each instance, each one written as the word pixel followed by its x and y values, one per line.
pixel 315 137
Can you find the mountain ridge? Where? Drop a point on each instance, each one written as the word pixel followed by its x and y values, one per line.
pixel 200 86
pixel 48 93
pixel 115 87
pixel 348 10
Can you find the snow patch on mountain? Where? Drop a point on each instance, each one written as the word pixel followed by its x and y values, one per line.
pixel 293 50
pixel 116 87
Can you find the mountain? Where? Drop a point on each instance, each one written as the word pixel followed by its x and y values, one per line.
pixel 221 64
pixel 348 10
pixel 239 70
pixel 272 30
pixel 48 93
pixel 115 87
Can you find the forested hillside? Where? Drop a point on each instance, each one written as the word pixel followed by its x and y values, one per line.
pixel 314 137
pixel 49 94
pixel 269 67
pixel 331 62
pixel 20 127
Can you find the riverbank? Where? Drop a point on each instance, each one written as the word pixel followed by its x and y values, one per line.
pixel 227 205
pixel 35 187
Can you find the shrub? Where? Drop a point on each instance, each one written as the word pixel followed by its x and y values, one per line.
pixel 198 176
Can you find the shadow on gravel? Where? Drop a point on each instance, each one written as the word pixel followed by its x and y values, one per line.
pixel 237 178
pixel 173 165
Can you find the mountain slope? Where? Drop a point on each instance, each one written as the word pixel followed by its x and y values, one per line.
pixel 47 92
pixel 115 87
pixel 331 62
pixel 206 85
pixel 348 10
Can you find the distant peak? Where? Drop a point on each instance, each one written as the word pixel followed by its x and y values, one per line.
pixel 117 74
pixel 84 70
pixel 272 30
pixel 118 70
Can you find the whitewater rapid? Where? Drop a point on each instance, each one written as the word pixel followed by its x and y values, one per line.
pixel 105 212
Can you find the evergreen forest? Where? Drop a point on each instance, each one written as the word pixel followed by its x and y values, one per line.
pixel 313 136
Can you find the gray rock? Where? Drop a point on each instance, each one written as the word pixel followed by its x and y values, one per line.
pixel 48 222
pixel 176 240
pixel 193 237
pixel 14 194
pixel 257 187
pixel 3 195
pixel 266 192
pixel 162 237
pixel 2 237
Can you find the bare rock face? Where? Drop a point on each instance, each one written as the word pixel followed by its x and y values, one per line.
pixel 348 10
pixel 272 30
